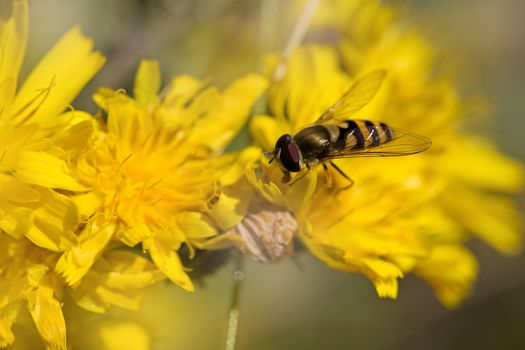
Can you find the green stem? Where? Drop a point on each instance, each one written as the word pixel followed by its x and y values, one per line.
pixel 233 315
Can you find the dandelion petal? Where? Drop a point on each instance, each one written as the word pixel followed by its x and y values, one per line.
pixel 65 69
pixel 46 311
pixel 147 82
pixel 47 170
pixel 8 315
pixel 168 261
pixel 76 262
pixel 13 40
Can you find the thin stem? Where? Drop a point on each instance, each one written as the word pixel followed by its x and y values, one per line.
pixel 233 316
pixel 297 36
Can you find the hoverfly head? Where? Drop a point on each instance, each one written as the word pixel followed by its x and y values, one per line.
pixel 287 154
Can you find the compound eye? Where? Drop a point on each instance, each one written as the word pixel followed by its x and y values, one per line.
pixel 290 157
pixel 283 141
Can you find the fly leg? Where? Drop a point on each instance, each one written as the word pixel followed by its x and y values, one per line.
pixel 286 177
pixel 351 182
pixel 328 177
pixel 300 175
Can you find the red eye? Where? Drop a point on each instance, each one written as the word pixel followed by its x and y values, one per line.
pixel 290 158
pixel 294 153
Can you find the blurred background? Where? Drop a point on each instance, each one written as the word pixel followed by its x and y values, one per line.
pixel 300 303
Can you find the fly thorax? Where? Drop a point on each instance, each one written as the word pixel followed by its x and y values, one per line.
pixel 314 142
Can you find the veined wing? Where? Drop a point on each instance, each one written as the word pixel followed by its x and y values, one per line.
pixel 358 96
pixel 402 143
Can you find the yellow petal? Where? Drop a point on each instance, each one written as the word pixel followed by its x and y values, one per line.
pixel 393 239
pixel 451 271
pixel 147 82
pixel 383 269
pixel 78 134
pixel 87 203
pixel 134 235
pixel 267 189
pixel 46 311
pixel 294 100
pixel 182 89
pixel 129 270
pixel 386 288
pixel 103 95
pixel 494 218
pixel 120 109
pixel 8 316
pixel 93 296
pixel 238 100
pixel 18 192
pixel 54 223
pixel 168 261
pixel 44 169
pixel 35 274
pixel 13 40
pixel 64 70
pixel 124 299
pixel 246 158
pixel 23 138
pixel 300 194
pixel 75 263
pixel 478 163
pixel 440 226
pixel 228 211
pixel 116 279
pixel 265 131
pixel 222 241
pixel 195 225
pixel 15 221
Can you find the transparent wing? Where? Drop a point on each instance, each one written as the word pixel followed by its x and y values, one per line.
pixel 403 143
pixel 358 96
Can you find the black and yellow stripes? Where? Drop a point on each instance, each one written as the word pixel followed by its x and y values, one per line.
pixel 388 134
pixel 361 134
pixel 373 133
pixel 350 135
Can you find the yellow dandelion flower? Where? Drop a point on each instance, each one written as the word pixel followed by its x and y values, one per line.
pixel 40 223
pixel 153 168
pixel 402 215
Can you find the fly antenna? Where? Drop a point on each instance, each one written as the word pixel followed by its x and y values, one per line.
pixel 270 156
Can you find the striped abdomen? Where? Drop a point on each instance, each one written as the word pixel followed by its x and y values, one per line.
pixel 361 134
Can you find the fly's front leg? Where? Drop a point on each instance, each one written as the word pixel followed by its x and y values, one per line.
pixel 351 182
pixel 286 177
pixel 299 176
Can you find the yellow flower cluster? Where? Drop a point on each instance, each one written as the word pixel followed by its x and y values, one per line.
pixel 400 216
pixel 78 191
pixel 152 168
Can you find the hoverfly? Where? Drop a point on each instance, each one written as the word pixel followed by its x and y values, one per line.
pixel 333 135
